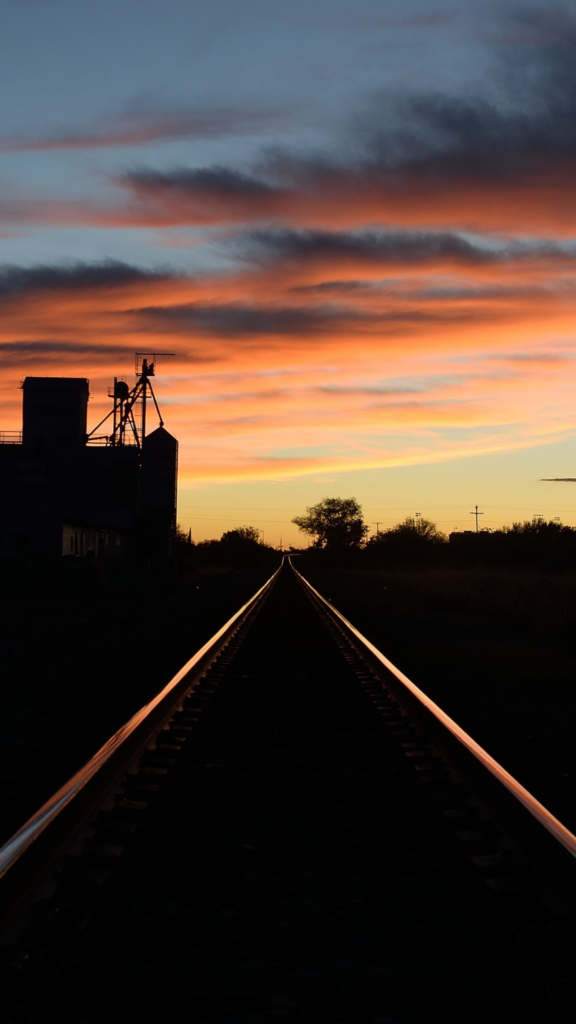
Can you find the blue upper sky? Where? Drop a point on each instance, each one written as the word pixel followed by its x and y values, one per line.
pixel 160 83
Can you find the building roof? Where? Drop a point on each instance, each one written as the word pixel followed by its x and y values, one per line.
pixel 55 383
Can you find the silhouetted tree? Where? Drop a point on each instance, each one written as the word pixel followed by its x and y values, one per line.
pixel 183 543
pixel 335 523
pixel 538 540
pixel 241 546
pixel 241 535
pixel 538 528
pixel 547 545
pixel 413 540
pixel 425 529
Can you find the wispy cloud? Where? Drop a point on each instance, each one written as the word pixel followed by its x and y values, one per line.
pixel 270 381
pixel 501 162
pixel 78 276
pixel 554 27
pixel 142 127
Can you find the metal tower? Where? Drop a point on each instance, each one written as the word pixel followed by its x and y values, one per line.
pixel 129 409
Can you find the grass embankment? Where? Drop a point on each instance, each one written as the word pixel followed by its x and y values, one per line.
pixel 541 604
pixel 495 648
pixel 76 661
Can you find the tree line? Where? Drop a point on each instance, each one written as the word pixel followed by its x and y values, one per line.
pixel 339 533
pixel 241 546
pixel 337 528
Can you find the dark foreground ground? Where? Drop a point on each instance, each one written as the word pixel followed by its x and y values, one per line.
pixel 496 649
pixel 77 661
pixel 284 863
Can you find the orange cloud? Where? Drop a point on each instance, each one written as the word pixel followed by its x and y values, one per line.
pixel 273 375
pixel 538 201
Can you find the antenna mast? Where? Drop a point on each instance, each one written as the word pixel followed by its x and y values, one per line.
pixel 129 409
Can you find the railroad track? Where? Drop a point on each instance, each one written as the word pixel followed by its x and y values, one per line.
pixel 291 831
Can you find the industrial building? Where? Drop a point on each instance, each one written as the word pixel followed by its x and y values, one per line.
pixel 67 492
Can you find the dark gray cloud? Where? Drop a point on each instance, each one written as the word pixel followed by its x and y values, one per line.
pixel 523 120
pixel 45 351
pixel 390 247
pixel 368 289
pixel 29 353
pixel 210 181
pixel 361 246
pixel 554 27
pixel 206 195
pixel 79 276
pixel 240 320
pixel 327 287
pixel 41 347
pixel 520 132
pixel 360 391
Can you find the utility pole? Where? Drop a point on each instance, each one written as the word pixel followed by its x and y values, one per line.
pixel 377 525
pixel 476 513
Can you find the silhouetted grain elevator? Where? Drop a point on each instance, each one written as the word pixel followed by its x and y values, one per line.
pixel 64 492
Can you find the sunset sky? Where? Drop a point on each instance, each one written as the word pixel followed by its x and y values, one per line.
pixel 352 221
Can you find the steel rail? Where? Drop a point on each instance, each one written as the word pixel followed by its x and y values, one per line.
pixel 549 846
pixel 32 851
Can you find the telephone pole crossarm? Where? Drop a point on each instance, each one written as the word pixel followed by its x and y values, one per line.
pixel 476 513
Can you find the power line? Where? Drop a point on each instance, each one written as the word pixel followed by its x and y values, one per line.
pixel 392 508
pixel 226 519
